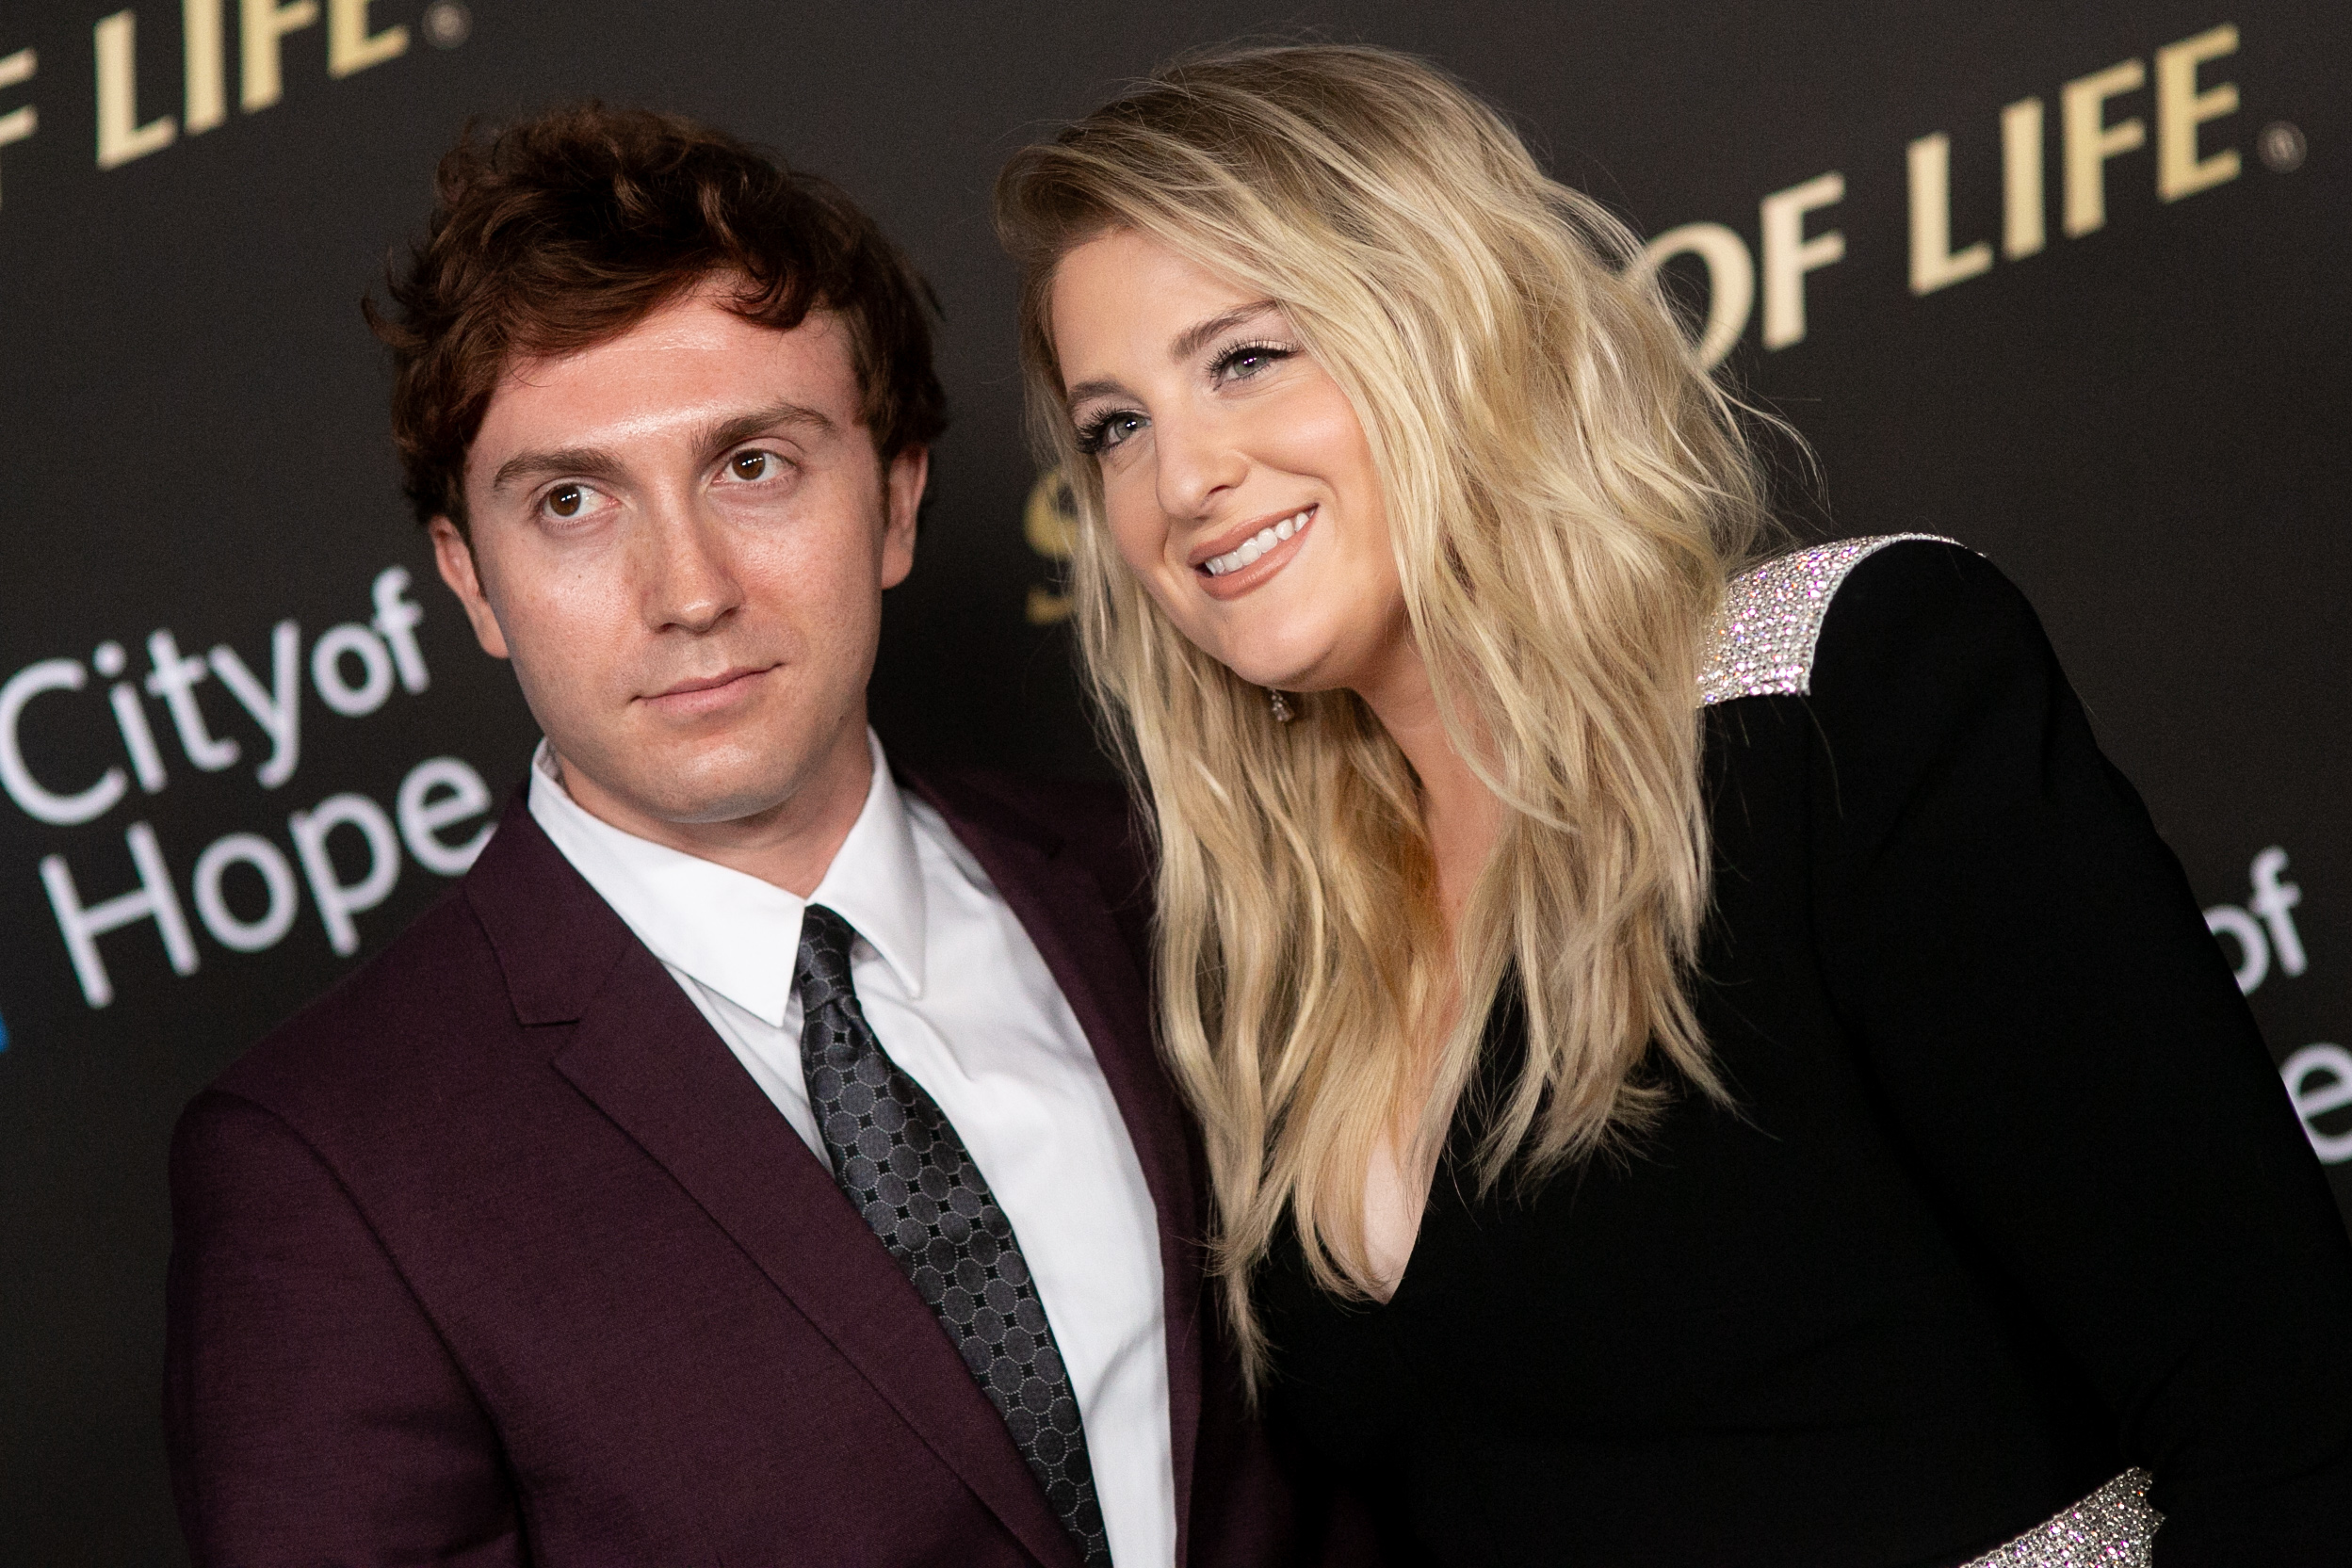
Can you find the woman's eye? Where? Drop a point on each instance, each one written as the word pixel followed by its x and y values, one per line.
pixel 1101 434
pixel 1250 359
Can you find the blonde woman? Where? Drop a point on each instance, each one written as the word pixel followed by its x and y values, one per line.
pixel 1702 1060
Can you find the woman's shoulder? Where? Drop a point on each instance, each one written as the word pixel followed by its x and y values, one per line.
pixel 1777 633
pixel 1823 617
pixel 1898 662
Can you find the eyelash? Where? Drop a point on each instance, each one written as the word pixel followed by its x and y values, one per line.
pixel 1093 433
pixel 547 497
pixel 1093 436
pixel 1225 361
pixel 545 503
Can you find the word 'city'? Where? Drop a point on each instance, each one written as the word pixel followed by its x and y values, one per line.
pixel 354 669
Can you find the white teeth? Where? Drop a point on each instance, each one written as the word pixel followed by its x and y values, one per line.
pixel 1265 539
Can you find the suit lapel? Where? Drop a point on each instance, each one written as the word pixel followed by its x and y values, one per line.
pixel 645 1057
pixel 1064 908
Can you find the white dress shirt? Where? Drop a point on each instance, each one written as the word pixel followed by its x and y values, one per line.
pixel 957 993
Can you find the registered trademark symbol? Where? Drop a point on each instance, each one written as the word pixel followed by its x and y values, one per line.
pixel 448 24
pixel 2282 146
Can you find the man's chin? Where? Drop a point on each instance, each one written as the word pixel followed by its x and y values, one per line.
pixel 678 791
pixel 747 806
pixel 691 797
pixel 753 777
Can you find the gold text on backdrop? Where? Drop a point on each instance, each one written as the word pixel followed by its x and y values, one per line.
pixel 352 38
pixel 2089 142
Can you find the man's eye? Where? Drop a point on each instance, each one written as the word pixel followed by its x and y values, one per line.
pixel 754 466
pixel 574 502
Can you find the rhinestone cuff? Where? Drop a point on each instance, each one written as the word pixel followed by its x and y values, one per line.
pixel 2113 1528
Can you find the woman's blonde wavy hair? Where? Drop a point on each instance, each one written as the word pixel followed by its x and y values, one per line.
pixel 1566 495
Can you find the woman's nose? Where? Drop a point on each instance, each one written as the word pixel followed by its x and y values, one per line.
pixel 1198 463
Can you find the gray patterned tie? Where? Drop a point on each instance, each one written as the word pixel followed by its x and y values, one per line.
pixel 898 1159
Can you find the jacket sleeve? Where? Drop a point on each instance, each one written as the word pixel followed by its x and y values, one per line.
pixel 2058 1042
pixel 312 1412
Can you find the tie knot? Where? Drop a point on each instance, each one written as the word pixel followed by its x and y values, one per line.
pixel 824 956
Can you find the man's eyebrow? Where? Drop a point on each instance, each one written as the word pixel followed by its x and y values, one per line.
pixel 591 462
pixel 736 429
pixel 595 462
pixel 1188 343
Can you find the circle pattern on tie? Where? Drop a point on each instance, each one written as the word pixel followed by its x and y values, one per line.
pixel 900 1161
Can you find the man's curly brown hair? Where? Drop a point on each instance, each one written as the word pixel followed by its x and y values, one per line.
pixel 567 229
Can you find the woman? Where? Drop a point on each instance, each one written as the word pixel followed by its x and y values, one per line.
pixel 1702 1060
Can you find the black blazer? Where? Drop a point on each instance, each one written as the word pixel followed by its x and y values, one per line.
pixel 2010 1199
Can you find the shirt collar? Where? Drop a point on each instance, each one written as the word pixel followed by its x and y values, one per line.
pixel 875 881
pixel 728 929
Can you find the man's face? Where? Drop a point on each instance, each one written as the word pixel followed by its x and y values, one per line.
pixel 680 538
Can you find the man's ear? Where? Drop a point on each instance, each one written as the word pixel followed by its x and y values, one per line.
pixel 901 498
pixel 454 553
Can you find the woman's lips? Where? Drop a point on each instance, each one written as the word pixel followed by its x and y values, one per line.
pixel 1258 556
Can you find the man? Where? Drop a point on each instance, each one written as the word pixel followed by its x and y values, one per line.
pixel 759 1158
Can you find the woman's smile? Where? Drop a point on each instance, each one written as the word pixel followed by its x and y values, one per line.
pixel 1227 570
pixel 1229 455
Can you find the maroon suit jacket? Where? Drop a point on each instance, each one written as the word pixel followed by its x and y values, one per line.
pixel 496 1256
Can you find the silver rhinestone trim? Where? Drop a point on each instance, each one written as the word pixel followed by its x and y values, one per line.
pixel 2113 1528
pixel 1763 637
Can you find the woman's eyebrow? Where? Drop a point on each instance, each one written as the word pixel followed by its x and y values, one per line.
pixel 1195 337
pixel 1100 387
pixel 1187 343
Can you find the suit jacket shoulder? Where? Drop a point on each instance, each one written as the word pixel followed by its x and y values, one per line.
pixel 522 940
pixel 1090 824
pixel 1097 820
pixel 384 1031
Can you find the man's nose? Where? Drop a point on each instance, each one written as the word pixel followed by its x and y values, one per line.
pixel 1197 465
pixel 690 581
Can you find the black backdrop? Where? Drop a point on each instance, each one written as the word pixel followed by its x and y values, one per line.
pixel 2142 420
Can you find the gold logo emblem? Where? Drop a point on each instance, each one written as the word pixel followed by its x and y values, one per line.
pixel 1049 523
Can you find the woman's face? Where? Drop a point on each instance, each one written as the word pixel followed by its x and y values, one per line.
pixel 1236 480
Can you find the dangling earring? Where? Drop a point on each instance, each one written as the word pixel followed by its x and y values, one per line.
pixel 1281 705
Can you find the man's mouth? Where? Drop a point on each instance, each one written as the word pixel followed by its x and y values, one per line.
pixel 699 691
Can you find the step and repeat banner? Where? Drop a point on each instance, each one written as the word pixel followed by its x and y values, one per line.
pixel 2067 282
